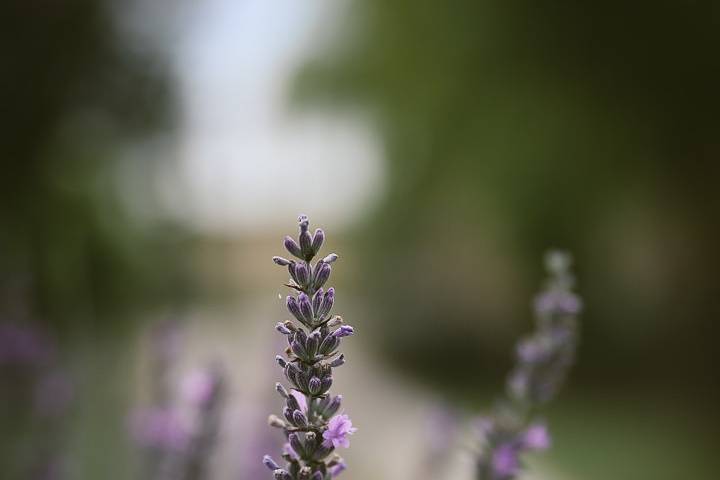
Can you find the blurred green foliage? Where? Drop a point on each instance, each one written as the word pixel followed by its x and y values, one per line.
pixel 514 126
pixel 73 96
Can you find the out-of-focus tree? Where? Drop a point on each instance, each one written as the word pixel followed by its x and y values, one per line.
pixel 72 95
pixel 514 126
pixel 75 96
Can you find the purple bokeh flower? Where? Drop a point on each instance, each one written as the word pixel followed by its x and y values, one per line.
pixel 24 345
pixel 159 428
pixel 200 387
pixel 558 302
pixel 339 428
pixel 536 437
pixel 505 462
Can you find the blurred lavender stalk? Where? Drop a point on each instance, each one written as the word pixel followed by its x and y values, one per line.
pixel 542 362
pixel 177 446
pixel 441 428
pixel 311 424
pixel 31 376
pixel 206 392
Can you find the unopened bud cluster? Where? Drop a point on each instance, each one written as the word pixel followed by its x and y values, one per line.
pixel 542 362
pixel 310 420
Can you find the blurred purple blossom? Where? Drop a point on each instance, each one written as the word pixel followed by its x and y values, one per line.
pixel 199 387
pixel 24 345
pixel 159 428
pixel 558 302
pixel 542 362
pixel 536 437
pixel 505 462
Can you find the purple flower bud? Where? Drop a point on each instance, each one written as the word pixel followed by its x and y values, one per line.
pixel 280 327
pixel 330 258
pixel 270 463
pixel 317 240
pixel 301 336
pixel 317 300
pixel 326 304
pixel 280 361
pixel 332 407
pixel 312 344
pixel 291 270
pixel 293 368
pixel 326 383
pixel 314 385
pixel 305 308
pixel 288 414
pixel 338 362
pixel 299 350
pixel 296 444
pixel 337 469
pixel 300 400
pixel 283 262
pixel 299 418
pixel 292 247
pixel 322 275
pixel 275 421
pixel 281 474
pixel 316 476
pixel 294 308
pixel 306 245
pixel 303 222
pixel 291 374
pixel 302 274
pixel 343 331
pixel 329 344
pixel 289 453
pixel 281 390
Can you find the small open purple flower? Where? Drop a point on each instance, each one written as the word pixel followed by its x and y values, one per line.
pixel 339 428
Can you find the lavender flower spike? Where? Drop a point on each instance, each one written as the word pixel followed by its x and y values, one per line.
pixel 310 420
pixel 542 362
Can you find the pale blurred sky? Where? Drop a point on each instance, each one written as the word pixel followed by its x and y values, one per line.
pixel 241 160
